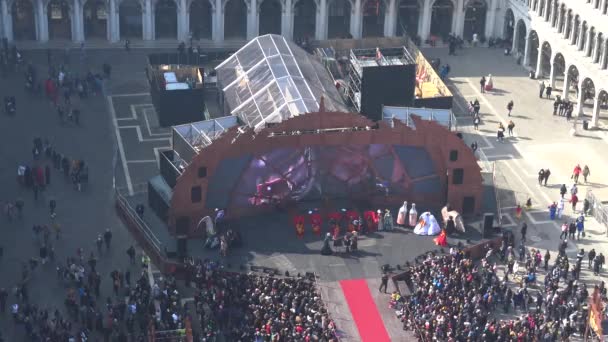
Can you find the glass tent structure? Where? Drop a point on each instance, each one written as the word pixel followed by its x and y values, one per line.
pixel 270 80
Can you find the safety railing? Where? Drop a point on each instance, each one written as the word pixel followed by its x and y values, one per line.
pixel 137 222
pixel 597 209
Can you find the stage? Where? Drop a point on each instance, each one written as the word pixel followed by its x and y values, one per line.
pixel 270 241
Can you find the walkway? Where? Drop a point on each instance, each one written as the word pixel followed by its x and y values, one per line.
pixel 541 141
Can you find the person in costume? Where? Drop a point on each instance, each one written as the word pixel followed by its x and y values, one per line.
pixel 450 226
pixel 442 239
pixel 371 221
pixel 518 211
pixel 413 219
pixel 427 225
pixel 388 220
pixel 351 217
pixel 326 249
pixel 402 215
pixel 299 222
pixel 316 220
pixel 380 220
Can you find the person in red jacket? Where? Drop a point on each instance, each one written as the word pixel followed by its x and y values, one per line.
pixel 574 200
pixel 576 172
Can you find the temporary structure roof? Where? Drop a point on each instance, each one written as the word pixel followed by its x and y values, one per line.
pixel 270 79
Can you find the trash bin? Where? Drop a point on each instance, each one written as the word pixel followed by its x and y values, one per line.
pixel 532 76
pixel 585 125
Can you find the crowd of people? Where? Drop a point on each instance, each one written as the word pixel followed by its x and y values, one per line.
pixel 259 308
pixel 454 298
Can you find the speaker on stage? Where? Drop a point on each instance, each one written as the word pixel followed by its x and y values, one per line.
pixel 488 225
pixel 182 247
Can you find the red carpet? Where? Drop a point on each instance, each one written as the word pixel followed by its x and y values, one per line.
pixel 364 311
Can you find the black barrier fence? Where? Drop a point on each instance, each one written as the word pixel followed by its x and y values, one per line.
pixel 597 209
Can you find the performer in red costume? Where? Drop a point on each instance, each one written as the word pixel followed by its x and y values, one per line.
pixel 442 239
pixel 371 219
pixel 316 221
pixel 351 217
pixel 299 223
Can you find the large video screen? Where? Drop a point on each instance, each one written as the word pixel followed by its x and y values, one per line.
pixel 319 172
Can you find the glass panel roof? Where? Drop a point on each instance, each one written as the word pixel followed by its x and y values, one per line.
pixel 270 80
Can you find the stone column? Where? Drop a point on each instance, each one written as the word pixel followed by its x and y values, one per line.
pixel 595 116
pixel 390 18
pixel 77 21
pixel 604 55
pixel 218 20
pixel 579 101
pixel 539 62
pixel 287 20
pixel 458 18
pixel 490 19
pixel 597 48
pixel 566 86
pixel 356 14
pixel 560 20
pixel 146 20
pixel 252 18
pixel 183 28
pixel 43 20
pixel 7 20
pixel 527 52
pixel 320 19
pixel 548 8
pixel 425 31
pixel 552 73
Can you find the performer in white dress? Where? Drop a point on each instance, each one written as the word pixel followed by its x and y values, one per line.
pixel 388 220
pixel 413 219
pixel 380 220
pixel 401 216
pixel 427 225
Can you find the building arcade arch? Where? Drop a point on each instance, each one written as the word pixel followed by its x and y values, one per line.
pixel 522 33
pixel 338 23
pixel 475 19
pixel 373 18
pixel 95 17
pixel 235 19
pixel 587 96
pixel 165 19
pixel 509 26
pixel 130 19
pixel 441 18
pixel 559 70
pixel 270 13
pixel 59 18
pixel 201 17
pixel 545 60
pixel 571 82
pixel 304 20
pixel 408 17
pixel 24 25
pixel 533 45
